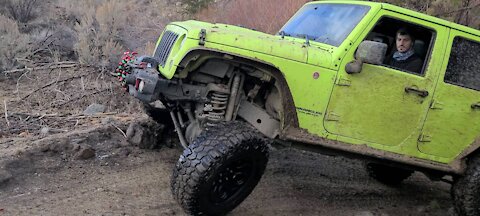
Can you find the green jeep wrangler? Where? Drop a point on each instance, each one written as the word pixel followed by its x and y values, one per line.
pixel 336 79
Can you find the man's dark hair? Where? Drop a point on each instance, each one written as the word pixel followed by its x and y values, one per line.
pixel 405 31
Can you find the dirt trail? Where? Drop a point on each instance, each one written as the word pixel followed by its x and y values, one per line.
pixel 125 180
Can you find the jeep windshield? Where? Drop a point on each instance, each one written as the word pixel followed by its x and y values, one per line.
pixel 325 23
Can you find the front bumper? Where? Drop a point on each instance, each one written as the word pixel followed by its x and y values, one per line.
pixel 148 86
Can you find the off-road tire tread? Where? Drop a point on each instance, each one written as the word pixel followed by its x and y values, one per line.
pixel 206 153
pixel 466 190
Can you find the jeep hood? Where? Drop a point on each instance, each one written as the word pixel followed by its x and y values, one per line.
pixel 242 38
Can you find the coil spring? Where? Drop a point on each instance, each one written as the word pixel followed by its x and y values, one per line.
pixel 216 110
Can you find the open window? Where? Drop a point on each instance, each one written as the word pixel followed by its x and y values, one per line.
pixel 385 31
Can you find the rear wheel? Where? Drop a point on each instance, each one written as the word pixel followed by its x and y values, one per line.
pixel 220 169
pixel 388 175
pixel 466 190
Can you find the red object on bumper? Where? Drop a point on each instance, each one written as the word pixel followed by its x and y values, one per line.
pixel 137 83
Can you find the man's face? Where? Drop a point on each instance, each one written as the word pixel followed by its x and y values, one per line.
pixel 404 43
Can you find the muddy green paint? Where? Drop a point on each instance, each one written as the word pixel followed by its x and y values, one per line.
pixel 370 108
pixel 451 113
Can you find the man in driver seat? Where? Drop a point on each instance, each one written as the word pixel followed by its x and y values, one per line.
pixel 405 57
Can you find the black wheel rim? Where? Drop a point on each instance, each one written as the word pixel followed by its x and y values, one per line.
pixel 230 181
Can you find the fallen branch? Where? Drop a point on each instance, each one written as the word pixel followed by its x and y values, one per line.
pixel 121 131
pixel 49 84
pixel 37 115
pixel 67 116
pixel 18 80
pixel 78 98
pixel 41 68
pixel 47 115
pixel 6 114
pixel 98 115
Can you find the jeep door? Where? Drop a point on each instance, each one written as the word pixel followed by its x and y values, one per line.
pixel 381 105
pixel 453 121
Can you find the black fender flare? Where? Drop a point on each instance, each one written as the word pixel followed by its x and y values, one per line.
pixel 290 118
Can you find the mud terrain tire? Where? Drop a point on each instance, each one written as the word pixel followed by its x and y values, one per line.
pixel 220 169
pixel 388 175
pixel 466 190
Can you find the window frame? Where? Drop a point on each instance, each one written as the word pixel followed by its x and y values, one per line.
pixel 428 55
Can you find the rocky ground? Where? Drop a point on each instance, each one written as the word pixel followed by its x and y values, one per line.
pixel 57 160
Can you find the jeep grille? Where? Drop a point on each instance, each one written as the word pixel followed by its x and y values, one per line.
pixel 165 46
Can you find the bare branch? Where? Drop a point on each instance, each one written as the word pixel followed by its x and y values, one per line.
pixel 6 113
pixel 121 131
pixel 71 64
pixel 458 10
pixel 49 84
pixel 80 97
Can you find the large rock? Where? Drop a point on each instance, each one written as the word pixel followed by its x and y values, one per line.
pixel 145 134
pixel 85 152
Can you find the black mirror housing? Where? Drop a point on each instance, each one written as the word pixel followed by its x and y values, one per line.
pixel 371 52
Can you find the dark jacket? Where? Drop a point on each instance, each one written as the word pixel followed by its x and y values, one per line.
pixel 413 63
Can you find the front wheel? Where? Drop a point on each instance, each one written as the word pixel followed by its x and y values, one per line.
pixel 220 169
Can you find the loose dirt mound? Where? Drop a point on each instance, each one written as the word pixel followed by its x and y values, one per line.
pixel 51 178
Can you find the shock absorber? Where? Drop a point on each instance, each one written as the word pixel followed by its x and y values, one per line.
pixel 217 108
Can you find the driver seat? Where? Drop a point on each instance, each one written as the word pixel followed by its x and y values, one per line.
pixel 420 48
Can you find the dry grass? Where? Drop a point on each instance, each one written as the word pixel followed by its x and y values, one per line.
pixel 21 10
pixel 92 32
pixel 464 12
pixel 149 47
pixel 14 46
pixel 146 28
pixel 193 6
pixel 98 34
pixel 267 15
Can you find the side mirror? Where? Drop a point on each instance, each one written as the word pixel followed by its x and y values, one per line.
pixel 353 67
pixel 370 52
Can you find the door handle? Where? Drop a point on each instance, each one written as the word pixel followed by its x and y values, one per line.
pixel 415 90
pixel 475 106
